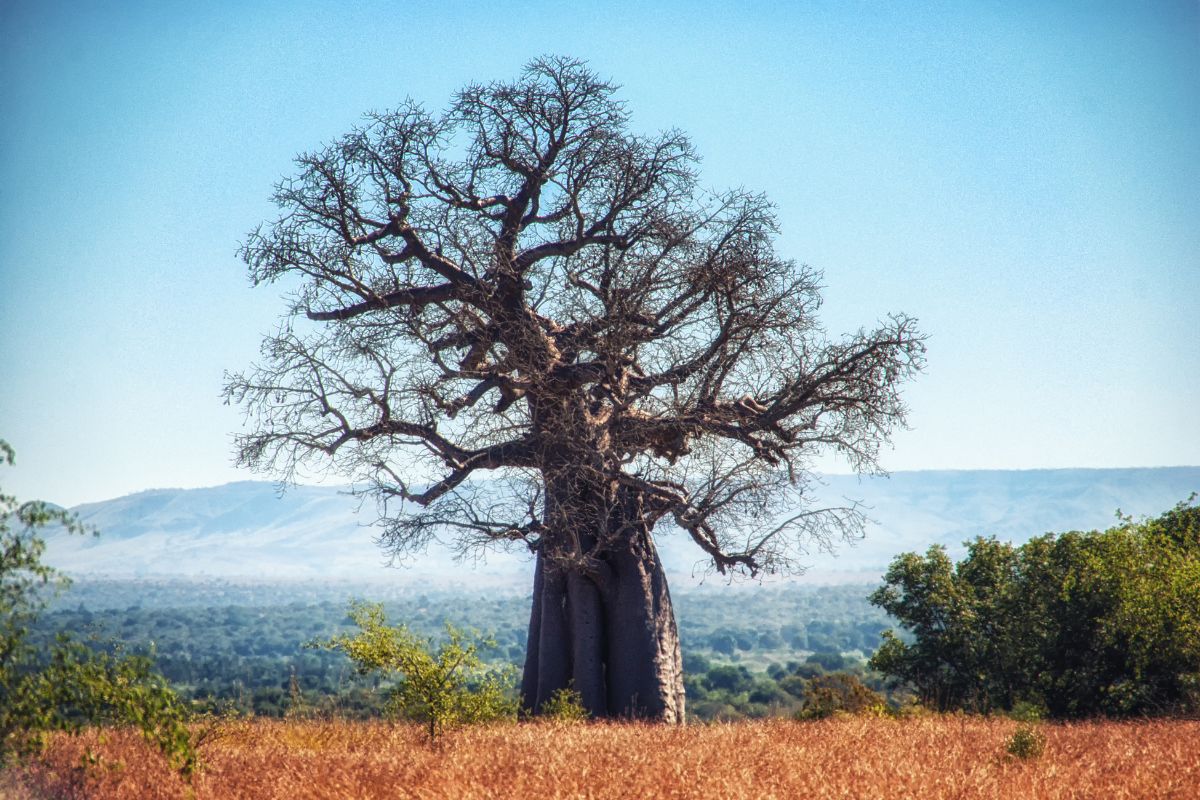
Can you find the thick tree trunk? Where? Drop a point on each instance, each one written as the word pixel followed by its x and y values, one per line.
pixel 609 634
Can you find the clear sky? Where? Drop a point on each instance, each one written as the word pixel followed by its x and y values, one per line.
pixel 1023 177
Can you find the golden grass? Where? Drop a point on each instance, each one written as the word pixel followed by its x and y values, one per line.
pixel 933 757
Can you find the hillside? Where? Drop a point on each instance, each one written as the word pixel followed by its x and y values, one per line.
pixel 248 529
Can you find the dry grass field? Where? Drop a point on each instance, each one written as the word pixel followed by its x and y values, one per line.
pixel 947 757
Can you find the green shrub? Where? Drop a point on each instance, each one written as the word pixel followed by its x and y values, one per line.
pixel 729 677
pixel 439 688
pixel 1026 743
pixel 68 685
pixel 827 695
pixel 565 705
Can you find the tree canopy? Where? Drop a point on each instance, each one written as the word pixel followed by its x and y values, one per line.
pixel 1106 622
pixel 519 281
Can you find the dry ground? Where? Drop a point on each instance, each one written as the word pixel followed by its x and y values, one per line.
pixel 946 757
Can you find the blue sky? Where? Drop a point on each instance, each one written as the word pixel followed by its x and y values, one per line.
pixel 1024 178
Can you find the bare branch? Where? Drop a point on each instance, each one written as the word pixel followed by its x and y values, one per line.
pixel 522 284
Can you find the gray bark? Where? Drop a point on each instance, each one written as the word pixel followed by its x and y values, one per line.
pixel 609 634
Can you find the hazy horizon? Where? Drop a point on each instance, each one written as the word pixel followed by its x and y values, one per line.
pixel 889 474
pixel 247 528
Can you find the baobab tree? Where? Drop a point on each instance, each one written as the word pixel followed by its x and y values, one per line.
pixel 519 323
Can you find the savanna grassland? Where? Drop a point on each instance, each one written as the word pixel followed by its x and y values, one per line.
pixel 859 757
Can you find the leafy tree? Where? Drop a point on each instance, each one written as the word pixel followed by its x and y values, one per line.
pixel 730 677
pixel 517 322
pixel 67 685
pixel 440 689
pixel 723 642
pixel 695 663
pixel 1078 623
pixel 830 662
pixel 795 684
pixel 770 640
pixel 767 693
pixel 827 695
pixel 965 619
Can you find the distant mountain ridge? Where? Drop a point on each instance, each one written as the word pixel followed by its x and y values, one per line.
pixel 247 529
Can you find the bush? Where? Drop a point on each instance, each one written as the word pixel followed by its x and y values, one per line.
pixel 694 663
pixel 767 693
pixel 795 685
pixel 1027 742
pixel 722 642
pixel 441 689
pixel 827 695
pixel 68 685
pixel 565 705
pixel 731 678
pixel 830 661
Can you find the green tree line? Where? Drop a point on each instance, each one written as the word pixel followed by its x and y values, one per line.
pixel 1078 624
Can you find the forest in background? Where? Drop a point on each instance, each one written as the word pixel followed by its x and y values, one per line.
pixel 1073 624
pixel 236 645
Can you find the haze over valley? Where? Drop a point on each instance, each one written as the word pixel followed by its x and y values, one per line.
pixel 249 530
